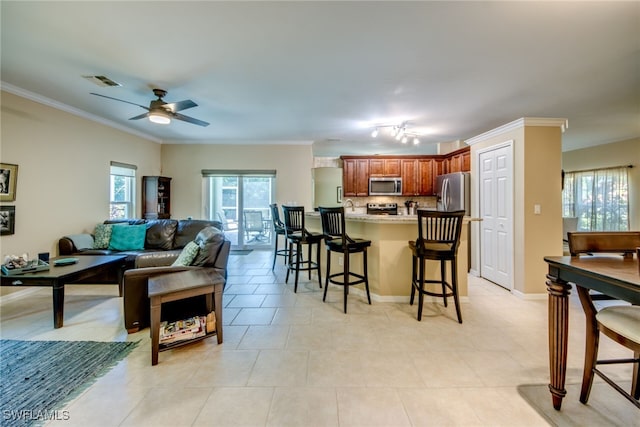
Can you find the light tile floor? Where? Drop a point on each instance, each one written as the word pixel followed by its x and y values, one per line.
pixel 291 360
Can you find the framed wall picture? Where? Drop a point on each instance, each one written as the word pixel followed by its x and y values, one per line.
pixel 8 181
pixel 7 220
pixel 339 194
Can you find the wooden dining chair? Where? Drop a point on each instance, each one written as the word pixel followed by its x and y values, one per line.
pixel 590 242
pixel 587 243
pixel 621 323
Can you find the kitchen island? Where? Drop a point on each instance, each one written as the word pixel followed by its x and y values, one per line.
pixel 389 256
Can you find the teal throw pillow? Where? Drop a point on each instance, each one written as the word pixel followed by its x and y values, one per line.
pixel 102 236
pixel 128 238
pixel 187 255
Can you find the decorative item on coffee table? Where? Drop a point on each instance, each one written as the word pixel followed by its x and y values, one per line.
pixel 14 264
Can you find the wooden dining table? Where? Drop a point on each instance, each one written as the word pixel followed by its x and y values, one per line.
pixel 611 275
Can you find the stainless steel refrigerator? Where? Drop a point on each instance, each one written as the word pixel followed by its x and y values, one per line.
pixel 452 190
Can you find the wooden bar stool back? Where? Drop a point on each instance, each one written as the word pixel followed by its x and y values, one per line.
pixel 337 240
pixel 278 229
pixel 297 235
pixel 438 240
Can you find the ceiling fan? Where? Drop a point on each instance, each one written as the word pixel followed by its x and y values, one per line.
pixel 162 112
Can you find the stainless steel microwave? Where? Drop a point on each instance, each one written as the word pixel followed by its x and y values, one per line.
pixel 385 186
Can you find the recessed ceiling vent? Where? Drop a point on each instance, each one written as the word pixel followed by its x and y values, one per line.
pixel 102 81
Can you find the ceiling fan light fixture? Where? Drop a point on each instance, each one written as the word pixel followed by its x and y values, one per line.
pixel 159 117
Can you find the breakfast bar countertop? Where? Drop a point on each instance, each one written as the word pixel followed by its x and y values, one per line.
pixel 389 256
pixel 386 219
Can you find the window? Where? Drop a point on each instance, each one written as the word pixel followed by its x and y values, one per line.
pixel 122 191
pixel 230 194
pixel 229 204
pixel 599 198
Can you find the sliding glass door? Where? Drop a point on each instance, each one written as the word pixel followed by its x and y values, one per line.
pixel 240 200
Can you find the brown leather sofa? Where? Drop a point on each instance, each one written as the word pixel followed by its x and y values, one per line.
pixel 161 235
pixel 164 241
pixel 213 255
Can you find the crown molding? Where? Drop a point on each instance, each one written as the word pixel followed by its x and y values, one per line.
pixel 563 124
pixel 72 110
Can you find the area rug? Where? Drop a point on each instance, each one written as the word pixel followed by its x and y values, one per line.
pixel 39 377
pixel 605 407
pixel 241 251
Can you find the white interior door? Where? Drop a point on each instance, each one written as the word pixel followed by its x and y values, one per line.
pixel 496 211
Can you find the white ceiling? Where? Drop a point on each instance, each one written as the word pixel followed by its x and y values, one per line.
pixel 324 72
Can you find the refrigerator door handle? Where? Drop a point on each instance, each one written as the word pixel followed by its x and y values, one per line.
pixel 445 194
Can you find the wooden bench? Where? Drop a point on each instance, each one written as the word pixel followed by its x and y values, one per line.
pixel 589 242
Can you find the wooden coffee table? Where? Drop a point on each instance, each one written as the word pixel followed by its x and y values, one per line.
pixel 177 286
pixel 57 277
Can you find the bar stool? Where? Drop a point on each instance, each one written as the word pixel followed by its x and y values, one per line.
pixel 278 229
pixel 337 240
pixel 296 234
pixel 438 240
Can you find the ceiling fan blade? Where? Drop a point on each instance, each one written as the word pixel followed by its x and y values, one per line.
pixel 141 116
pixel 180 105
pixel 190 119
pixel 121 100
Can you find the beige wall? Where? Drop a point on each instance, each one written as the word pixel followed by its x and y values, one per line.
pixel 542 186
pixel 184 163
pixel 63 171
pixel 536 180
pixel 614 154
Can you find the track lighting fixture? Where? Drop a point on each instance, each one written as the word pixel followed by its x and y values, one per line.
pixel 399 132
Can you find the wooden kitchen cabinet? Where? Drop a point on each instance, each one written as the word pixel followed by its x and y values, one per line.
pixel 409 177
pixel 417 177
pixel 455 163
pixel 355 177
pixel 425 177
pixel 466 161
pixel 384 167
pixel 458 161
pixel 437 168
pixel 418 173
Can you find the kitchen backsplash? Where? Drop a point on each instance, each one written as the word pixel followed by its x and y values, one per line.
pixel 423 202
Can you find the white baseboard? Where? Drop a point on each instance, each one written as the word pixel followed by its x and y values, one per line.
pixel 524 296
